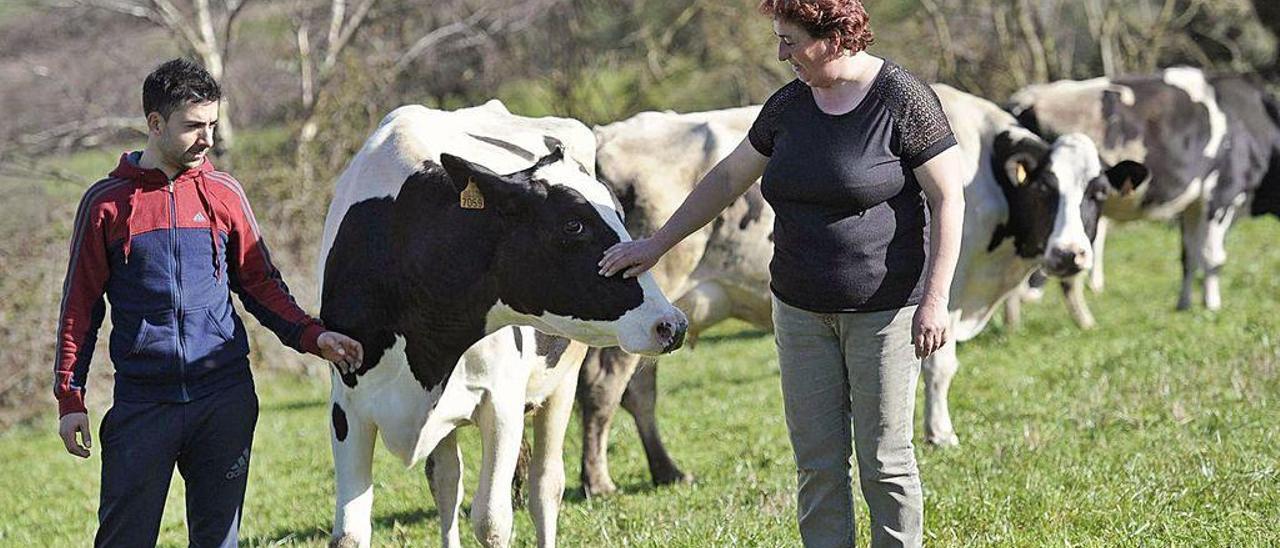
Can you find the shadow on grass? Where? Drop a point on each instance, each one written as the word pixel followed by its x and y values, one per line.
pixel 295 405
pixel 381 522
pixel 577 495
pixel 743 335
pixel 764 373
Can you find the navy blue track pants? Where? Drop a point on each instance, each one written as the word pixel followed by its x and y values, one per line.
pixel 207 439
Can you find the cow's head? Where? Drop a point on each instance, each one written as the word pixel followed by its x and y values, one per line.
pixel 554 221
pixel 1055 195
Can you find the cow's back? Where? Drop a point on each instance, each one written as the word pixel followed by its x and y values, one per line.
pixel 413 134
pixel 653 160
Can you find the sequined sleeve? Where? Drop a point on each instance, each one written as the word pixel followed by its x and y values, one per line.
pixel 923 130
pixel 766 124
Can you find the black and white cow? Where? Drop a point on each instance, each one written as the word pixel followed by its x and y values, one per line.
pixel 1029 203
pixel 1211 144
pixel 425 253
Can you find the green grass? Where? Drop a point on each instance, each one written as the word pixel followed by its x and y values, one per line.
pixel 1156 429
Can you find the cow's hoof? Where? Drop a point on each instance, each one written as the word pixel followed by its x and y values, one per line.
pixel 672 477
pixel 949 439
pixel 599 489
pixel 345 541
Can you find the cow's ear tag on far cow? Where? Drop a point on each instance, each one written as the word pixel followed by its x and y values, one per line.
pixel 470 197
pixel 1020 177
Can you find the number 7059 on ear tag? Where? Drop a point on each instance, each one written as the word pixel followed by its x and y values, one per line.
pixel 470 197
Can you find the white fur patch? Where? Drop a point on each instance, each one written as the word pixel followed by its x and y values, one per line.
pixel 1075 163
pixel 1192 81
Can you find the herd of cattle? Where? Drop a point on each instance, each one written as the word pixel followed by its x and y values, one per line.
pixel 461 247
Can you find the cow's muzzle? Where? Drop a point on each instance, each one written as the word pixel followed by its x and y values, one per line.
pixel 1065 262
pixel 670 332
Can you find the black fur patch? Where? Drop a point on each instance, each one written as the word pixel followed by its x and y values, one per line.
pixel 504 145
pixel 339 423
pixel 550 347
pixel 1033 205
pixel 420 267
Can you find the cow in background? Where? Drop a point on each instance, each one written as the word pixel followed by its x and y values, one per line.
pixel 1211 144
pixel 1029 203
pixel 651 161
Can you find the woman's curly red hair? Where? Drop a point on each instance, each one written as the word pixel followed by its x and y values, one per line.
pixel 844 20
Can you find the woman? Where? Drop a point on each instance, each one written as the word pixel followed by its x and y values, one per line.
pixel 860 273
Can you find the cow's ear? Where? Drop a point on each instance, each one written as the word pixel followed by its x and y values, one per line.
pixel 1017 156
pixel 1127 176
pixel 480 188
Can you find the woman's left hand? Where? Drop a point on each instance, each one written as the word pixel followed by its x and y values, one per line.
pixel 930 327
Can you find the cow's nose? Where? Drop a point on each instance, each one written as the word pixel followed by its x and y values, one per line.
pixel 671 333
pixel 1068 261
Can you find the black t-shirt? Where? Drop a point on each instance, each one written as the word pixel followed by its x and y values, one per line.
pixel 851 231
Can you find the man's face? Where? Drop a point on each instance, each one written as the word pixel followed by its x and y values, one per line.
pixel 186 136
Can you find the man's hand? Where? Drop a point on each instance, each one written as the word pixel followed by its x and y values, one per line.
pixel 345 352
pixel 68 425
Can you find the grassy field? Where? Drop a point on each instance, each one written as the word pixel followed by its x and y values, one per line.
pixel 1156 429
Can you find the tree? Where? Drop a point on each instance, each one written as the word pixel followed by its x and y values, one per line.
pixel 205 28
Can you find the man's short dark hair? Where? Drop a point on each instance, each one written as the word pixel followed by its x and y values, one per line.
pixel 175 83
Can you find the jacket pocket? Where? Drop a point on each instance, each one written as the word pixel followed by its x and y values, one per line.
pixel 218 327
pixel 145 346
pixel 155 338
pixel 213 337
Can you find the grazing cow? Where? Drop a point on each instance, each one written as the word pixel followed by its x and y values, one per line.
pixel 1029 203
pixel 1211 145
pixel 425 252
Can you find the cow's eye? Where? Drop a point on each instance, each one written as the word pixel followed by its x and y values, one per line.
pixel 573 227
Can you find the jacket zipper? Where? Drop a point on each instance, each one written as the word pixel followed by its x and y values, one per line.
pixel 177 282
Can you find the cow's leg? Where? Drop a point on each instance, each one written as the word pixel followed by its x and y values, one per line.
pixel 352 441
pixel 1077 306
pixel 1215 252
pixel 641 400
pixel 1013 309
pixel 444 476
pixel 1096 281
pixel 500 418
pixel 546 471
pixel 939 368
pixel 1193 236
pixel 604 376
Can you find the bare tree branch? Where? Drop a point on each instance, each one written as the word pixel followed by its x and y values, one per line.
pixel 431 38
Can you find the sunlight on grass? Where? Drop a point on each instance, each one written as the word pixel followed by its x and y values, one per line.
pixel 1157 428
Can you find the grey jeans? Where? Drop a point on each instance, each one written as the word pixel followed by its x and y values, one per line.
pixel 851 376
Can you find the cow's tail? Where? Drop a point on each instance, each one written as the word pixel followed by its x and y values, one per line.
pixel 1266 198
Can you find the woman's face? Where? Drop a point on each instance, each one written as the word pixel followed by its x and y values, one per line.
pixel 811 58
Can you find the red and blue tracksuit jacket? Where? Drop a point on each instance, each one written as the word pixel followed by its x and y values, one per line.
pixel 167 254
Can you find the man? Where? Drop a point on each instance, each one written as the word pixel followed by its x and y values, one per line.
pixel 166 238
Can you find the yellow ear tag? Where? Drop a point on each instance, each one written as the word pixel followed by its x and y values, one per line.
pixel 470 197
pixel 1021 174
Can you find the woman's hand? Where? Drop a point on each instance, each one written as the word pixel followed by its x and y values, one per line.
pixel 631 258
pixel 930 327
